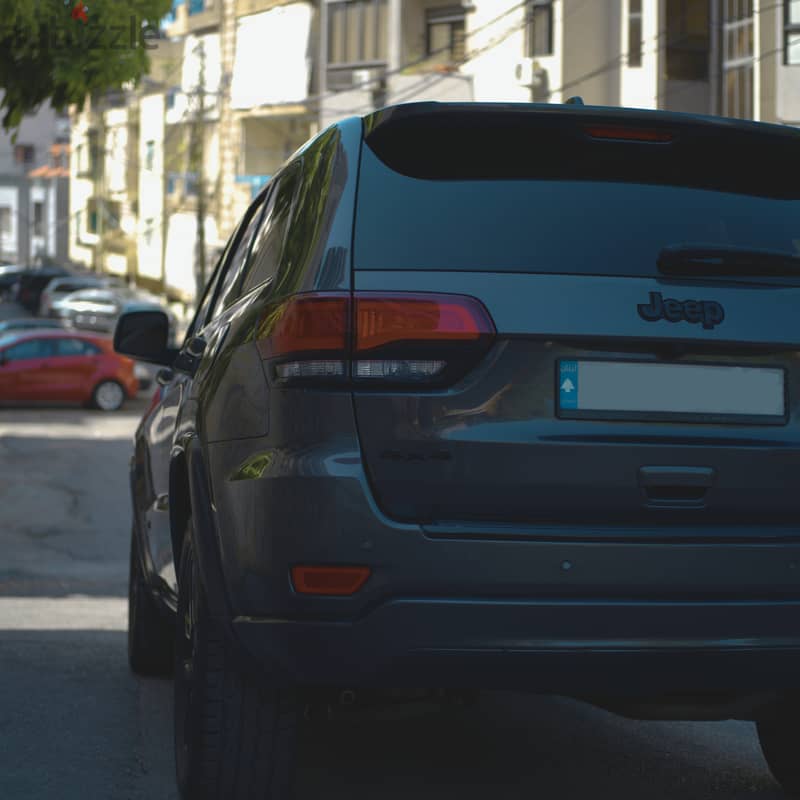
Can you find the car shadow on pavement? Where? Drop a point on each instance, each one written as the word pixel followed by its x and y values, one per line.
pixel 81 721
pixel 524 746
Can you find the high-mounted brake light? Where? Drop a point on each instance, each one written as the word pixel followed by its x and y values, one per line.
pixel 394 338
pixel 320 580
pixel 629 134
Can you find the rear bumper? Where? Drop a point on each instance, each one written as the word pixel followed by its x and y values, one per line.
pixel 638 649
pixel 565 611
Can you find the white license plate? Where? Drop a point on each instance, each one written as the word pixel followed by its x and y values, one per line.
pixel 625 389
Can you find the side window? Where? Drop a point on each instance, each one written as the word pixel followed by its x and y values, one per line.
pixel 202 313
pixel 268 245
pixel 228 291
pixel 75 347
pixel 31 348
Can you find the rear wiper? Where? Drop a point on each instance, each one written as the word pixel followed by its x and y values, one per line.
pixel 713 260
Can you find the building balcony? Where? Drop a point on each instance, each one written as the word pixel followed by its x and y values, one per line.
pixel 246 7
pixel 436 84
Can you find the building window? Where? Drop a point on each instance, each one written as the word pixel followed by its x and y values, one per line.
pixel 197 6
pixel 688 40
pixel 170 100
pixel 634 33
pixel 791 32
pixel 24 153
pixel 539 28
pixel 149 229
pixel 737 58
pixel 445 34
pixel 95 162
pixel 91 216
pixel 357 32
pixel 5 220
pixel 38 218
pixel 190 185
pixel 102 212
pixel 112 215
pixel 149 155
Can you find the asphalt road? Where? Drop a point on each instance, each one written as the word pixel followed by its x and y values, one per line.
pixel 74 723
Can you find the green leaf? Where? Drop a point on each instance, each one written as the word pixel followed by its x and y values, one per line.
pixel 49 55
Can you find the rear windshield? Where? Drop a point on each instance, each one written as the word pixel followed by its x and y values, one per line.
pixel 594 226
pixel 67 288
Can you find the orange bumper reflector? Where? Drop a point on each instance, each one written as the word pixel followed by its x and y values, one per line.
pixel 339 581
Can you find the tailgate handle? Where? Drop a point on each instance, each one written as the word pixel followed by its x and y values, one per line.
pixel 676 487
pixel 691 477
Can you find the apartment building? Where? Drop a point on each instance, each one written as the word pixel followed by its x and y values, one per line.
pixel 111 198
pixel 34 187
pixel 239 85
pixel 380 52
pixel 737 58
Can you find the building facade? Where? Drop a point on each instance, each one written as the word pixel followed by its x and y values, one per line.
pixel 34 186
pixel 239 85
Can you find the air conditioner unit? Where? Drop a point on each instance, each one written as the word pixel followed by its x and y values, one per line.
pixel 527 72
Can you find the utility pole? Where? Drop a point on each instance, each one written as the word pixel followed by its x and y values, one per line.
pixel 100 180
pixel 197 149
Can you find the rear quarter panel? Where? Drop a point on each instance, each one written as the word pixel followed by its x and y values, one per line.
pixel 233 403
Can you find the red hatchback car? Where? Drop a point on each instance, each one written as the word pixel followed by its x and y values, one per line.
pixel 64 366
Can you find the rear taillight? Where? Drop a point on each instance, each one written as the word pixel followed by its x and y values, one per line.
pixel 373 338
pixel 307 337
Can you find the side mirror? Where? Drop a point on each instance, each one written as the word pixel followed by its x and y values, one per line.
pixel 144 335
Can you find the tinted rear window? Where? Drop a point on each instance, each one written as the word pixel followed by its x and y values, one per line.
pixel 578 207
pixel 67 288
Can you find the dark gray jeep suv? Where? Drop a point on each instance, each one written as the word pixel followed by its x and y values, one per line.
pixel 482 396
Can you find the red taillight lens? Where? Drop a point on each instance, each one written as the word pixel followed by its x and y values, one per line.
pixel 339 581
pixel 394 338
pixel 629 134
pixel 306 323
pixel 390 319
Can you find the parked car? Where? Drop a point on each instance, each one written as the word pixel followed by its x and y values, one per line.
pixel 58 289
pixel 52 366
pixel 481 396
pixel 99 309
pixel 29 323
pixel 31 283
pixel 9 277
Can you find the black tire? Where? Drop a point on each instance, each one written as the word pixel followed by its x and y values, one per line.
pixel 150 634
pixel 235 734
pixel 108 395
pixel 778 736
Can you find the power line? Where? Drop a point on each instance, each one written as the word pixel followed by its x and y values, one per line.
pixel 432 78
pixel 317 98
